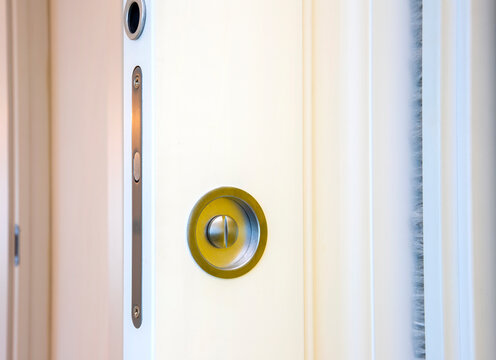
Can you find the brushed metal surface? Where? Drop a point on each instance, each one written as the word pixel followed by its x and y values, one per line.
pixel 133 35
pixel 222 231
pixel 137 211
pixel 217 212
pixel 137 166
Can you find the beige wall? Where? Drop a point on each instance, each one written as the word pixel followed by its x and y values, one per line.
pixel 5 215
pixel 24 180
pixel 86 66
pixel 32 176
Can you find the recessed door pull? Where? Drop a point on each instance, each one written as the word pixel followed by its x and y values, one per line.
pixel 227 232
pixel 134 18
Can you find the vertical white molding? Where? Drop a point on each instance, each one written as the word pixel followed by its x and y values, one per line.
pixel 362 172
pixel 449 182
pixel 341 209
pixel 463 95
pixel 308 166
pixel 371 180
pixel 362 106
pixel 441 266
pixel 393 130
pixel 431 98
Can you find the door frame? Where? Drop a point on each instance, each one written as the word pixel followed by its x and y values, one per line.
pixel 459 175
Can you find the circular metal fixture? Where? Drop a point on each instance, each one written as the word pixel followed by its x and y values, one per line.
pixel 134 18
pixel 227 232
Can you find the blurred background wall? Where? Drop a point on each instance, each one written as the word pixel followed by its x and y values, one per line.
pixel 5 251
pixel 86 186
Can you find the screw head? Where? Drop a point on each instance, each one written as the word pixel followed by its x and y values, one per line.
pixel 137 81
pixel 136 311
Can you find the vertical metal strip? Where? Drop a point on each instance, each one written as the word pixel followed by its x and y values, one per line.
pixel 136 308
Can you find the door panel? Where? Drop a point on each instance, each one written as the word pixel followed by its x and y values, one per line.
pixel 228 113
pixel 222 106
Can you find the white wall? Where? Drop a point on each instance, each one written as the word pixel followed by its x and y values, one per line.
pixel 86 68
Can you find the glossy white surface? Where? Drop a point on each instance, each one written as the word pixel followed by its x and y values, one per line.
pixel 228 87
pixel 342 233
pixel 393 185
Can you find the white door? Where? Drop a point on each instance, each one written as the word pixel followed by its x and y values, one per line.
pixel 310 107
pixel 228 89
pixel 222 106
